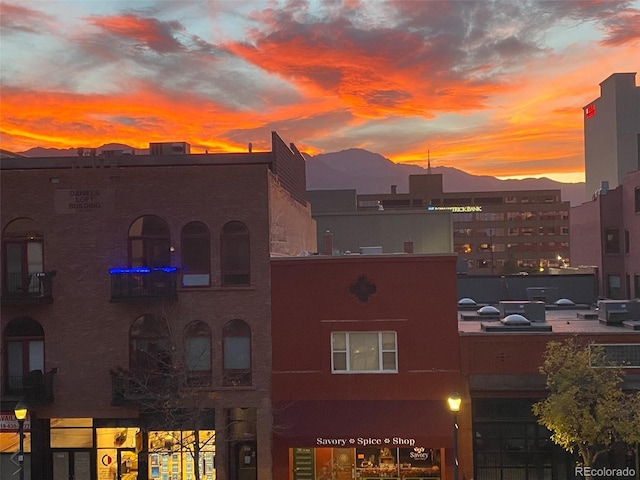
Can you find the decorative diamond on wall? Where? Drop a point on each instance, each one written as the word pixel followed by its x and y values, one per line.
pixel 362 289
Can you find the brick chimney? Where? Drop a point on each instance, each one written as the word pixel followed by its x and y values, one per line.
pixel 394 189
pixel 408 246
pixel 327 243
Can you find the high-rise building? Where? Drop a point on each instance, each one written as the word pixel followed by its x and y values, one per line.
pixel 612 133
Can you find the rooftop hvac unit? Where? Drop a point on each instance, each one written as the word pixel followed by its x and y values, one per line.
pixel 532 311
pixel 542 294
pixel 614 312
pixel 170 148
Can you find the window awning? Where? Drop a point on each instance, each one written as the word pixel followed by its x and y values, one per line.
pixel 371 423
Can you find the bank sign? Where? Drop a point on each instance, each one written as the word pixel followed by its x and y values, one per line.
pixel 455 209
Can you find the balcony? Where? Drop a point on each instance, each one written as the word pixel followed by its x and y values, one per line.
pixel 33 388
pixel 142 284
pixel 30 289
pixel 142 389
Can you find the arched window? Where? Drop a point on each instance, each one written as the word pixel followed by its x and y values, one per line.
pixel 150 346
pixel 149 244
pixel 235 254
pixel 24 347
pixel 196 255
pixel 236 339
pixel 22 246
pixel 197 353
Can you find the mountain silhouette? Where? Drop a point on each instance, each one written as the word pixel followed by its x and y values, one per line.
pixel 369 172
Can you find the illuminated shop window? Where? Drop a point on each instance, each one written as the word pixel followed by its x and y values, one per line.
pixel 172 455
pixel 71 433
pixel 364 352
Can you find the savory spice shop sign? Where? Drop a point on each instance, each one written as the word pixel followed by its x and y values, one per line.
pixel 365 442
pixel 82 200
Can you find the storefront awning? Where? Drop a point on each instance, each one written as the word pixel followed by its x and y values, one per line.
pixel 353 424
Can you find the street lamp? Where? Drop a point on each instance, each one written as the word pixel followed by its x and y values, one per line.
pixel 454 402
pixel 20 411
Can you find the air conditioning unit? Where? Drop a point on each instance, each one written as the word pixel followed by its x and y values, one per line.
pixel 614 312
pixel 542 294
pixel 169 148
pixel 532 311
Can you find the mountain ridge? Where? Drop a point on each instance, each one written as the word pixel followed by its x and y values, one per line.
pixel 369 172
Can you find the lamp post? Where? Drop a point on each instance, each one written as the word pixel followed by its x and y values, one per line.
pixel 20 411
pixel 454 402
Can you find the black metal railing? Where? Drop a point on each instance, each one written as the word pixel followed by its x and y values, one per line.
pixel 132 284
pixel 32 288
pixel 35 387
pixel 145 389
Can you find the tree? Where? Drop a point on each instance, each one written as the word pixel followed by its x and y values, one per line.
pixel 586 410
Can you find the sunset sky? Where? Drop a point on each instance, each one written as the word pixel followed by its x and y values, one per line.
pixel 489 87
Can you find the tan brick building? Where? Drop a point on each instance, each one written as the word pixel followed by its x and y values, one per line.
pixel 136 291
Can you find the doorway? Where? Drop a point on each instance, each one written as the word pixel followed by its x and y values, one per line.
pixel 72 465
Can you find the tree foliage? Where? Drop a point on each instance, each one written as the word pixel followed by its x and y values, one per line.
pixel 586 410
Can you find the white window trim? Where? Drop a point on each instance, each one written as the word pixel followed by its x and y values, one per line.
pixel 381 351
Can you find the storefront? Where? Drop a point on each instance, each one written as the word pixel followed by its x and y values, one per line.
pixel 109 449
pixel 364 440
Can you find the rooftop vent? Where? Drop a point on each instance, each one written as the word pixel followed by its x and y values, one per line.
pixel 488 310
pixel 515 319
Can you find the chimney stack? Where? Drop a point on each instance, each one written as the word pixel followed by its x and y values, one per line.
pixel 327 243
pixel 408 246
pixel 394 189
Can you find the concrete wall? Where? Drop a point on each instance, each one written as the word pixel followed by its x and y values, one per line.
pixel 430 232
pixel 580 289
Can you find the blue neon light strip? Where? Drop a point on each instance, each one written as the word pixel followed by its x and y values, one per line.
pixel 115 271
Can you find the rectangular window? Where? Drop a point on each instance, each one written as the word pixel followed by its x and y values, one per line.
pixel 627 242
pixel 611 240
pixel 614 287
pixel 626 355
pixel 364 352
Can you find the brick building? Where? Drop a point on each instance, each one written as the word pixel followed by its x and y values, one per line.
pixel 365 353
pixel 136 309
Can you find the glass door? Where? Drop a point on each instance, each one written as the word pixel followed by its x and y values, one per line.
pixel 127 464
pixel 72 465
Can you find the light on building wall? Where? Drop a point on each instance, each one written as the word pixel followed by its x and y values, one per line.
pixel 454 401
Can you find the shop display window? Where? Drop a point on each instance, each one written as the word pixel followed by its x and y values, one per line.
pixel 416 463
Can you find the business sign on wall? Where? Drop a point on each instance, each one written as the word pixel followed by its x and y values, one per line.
pixel 455 209
pixel 365 442
pixel 83 200
pixel 9 422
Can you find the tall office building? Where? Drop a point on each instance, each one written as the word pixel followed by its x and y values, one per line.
pixel 612 133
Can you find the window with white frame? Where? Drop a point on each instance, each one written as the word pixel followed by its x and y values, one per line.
pixel 364 352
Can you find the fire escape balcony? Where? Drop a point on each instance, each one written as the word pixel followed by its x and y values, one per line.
pixel 31 289
pixel 143 284
pixel 33 388
pixel 142 388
